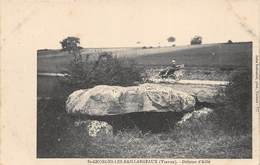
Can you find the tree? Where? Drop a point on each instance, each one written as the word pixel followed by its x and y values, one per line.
pixel 70 43
pixel 196 40
pixel 171 39
pixel 230 42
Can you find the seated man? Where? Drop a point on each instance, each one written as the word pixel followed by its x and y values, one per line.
pixel 170 70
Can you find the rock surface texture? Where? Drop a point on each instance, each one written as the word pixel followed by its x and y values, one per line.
pixel 194 117
pixel 114 100
pixel 204 93
pixel 96 128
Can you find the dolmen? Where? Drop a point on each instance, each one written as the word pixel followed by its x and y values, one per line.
pixel 147 106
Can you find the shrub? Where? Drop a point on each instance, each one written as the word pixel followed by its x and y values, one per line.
pixel 236 114
pixel 105 70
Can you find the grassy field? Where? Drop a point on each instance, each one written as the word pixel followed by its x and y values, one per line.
pixel 58 137
pixel 207 55
pixel 202 62
pixel 216 55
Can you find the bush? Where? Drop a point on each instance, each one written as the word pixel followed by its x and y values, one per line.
pixel 105 70
pixel 236 114
pixel 196 40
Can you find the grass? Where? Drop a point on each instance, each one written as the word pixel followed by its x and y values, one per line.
pixel 237 54
pixel 177 145
pixel 216 55
pixel 58 137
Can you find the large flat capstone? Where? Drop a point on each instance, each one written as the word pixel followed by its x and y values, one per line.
pixel 114 100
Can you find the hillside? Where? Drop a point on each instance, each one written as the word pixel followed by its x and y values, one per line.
pixel 215 55
pixel 206 55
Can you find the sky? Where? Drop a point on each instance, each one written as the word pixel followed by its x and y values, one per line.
pixel 117 23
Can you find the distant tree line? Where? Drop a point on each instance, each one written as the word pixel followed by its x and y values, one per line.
pixel 71 43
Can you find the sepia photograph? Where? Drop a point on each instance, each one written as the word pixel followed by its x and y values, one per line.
pixel 129 82
pixel 181 89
